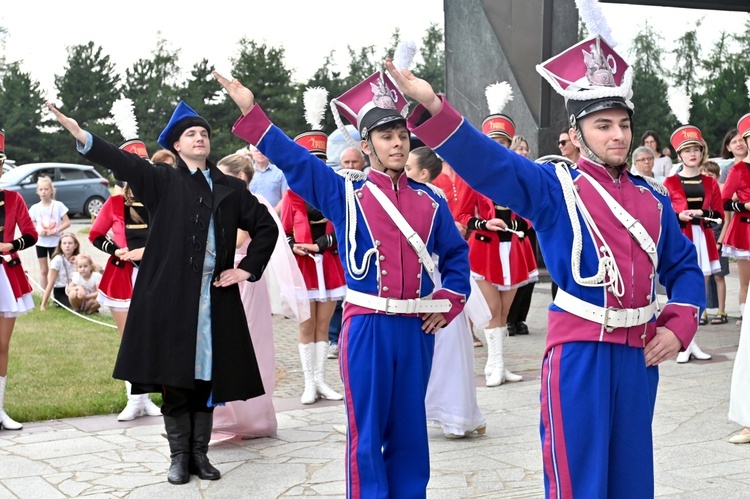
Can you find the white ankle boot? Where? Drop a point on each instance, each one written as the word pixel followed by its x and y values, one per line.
pixel 5 421
pixel 495 372
pixel 307 356
pixel 693 350
pixel 323 389
pixel 149 408
pixel 135 407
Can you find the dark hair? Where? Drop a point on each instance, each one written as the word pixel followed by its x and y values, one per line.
pixel 652 133
pixel 429 161
pixel 712 167
pixel 726 153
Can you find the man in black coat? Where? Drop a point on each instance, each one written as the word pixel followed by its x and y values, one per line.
pixel 186 335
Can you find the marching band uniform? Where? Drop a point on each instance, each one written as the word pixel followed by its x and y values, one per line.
pixel 737 238
pixel 322 271
pixel 598 395
pixel 385 357
pixel 15 290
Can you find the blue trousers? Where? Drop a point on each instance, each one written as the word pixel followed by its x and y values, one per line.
pixel 597 406
pixel 385 363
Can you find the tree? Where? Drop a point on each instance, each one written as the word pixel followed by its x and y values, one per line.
pixel 331 80
pixel 262 69
pixel 687 61
pixel 21 116
pixel 88 88
pixel 432 67
pixel 649 88
pixel 152 85
pixel 647 51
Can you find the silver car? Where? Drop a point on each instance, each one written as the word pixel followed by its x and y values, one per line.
pixel 79 187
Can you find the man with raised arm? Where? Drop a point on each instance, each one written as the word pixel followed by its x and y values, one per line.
pixel 605 235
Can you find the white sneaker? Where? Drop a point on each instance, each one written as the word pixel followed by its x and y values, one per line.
pixel 333 351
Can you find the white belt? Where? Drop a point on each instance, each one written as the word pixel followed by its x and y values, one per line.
pixel 609 317
pixel 390 306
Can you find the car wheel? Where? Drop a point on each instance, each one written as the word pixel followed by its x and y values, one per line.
pixel 92 206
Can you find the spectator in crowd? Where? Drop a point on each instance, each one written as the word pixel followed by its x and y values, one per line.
pixel 353 159
pixel 61 270
pixel 643 162
pixel 716 290
pixel 520 145
pixel 50 217
pixel 84 286
pixel 662 164
pixel 164 156
pixel 733 151
pixel 268 181
pixel 567 147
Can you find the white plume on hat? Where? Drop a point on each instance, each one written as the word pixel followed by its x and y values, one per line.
pixel 124 116
pixel 498 95
pixel 679 102
pixel 592 15
pixel 403 57
pixel 315 100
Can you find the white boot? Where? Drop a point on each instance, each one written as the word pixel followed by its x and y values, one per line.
pixel 149 408
pixel 134 408
pixel 494 371
pixel 5 421
pixel 307 356
pixel 683 357
pixel 323 389
pixel 696 351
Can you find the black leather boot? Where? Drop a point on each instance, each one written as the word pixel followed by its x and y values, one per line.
pixel 199 465
pixel 178 434
pixel 511 329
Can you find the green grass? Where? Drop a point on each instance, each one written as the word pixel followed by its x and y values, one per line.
pixel 61 366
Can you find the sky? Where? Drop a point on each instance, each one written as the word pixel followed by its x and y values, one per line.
pixel 38 31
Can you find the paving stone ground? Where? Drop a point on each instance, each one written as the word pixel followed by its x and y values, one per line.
pixel 98 457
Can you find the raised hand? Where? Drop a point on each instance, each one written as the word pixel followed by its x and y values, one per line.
pixel 416 88
pixel 69 124
pixel 241 95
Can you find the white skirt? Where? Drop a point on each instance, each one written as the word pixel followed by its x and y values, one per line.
pixel 323 294
pixel 699 240
pixel 9 305
pixel 737 254
pixel 113 304
pixel 451 400
pixel 739 401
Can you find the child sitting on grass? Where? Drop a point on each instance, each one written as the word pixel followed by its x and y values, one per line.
pixel 61 270
pixel 84 286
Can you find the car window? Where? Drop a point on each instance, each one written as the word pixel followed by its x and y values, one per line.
pixel 72 174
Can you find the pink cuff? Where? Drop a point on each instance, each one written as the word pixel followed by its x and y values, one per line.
pixel 458 301
pixel 681 319
pixel 436 129
pixel 253 126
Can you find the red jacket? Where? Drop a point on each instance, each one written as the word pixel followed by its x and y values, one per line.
pixel 711 201
pixel 738 182
pixel 295 222
pixel 484 245
pixel 16 215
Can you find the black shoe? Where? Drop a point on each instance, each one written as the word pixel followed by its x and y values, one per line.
pixel 522 328
pixel 511 329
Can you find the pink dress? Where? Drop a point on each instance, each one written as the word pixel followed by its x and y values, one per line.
pixel 255 417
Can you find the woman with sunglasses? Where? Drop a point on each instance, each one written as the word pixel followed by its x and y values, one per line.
pixel 15 290
pixel 567 148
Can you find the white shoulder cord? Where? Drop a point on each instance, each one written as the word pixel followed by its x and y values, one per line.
pixel 607 265
pixel 357 272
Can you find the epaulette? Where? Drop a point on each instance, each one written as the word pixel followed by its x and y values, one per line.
pixel 437 190
pixel 353 175
pixel 655 184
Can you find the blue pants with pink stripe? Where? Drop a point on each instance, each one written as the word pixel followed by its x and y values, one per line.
pixel 385 363
pixel 597 405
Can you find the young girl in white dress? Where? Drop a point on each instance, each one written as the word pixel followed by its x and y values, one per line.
pixel 50 218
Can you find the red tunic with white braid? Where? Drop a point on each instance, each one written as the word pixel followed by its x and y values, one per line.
pixel 16 214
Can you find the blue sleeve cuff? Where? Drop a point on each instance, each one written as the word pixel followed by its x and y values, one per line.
pixel 84 148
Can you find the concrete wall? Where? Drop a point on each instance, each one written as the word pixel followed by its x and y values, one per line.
pixel 531 31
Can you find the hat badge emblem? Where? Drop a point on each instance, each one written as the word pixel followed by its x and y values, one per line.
pixel 383 97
